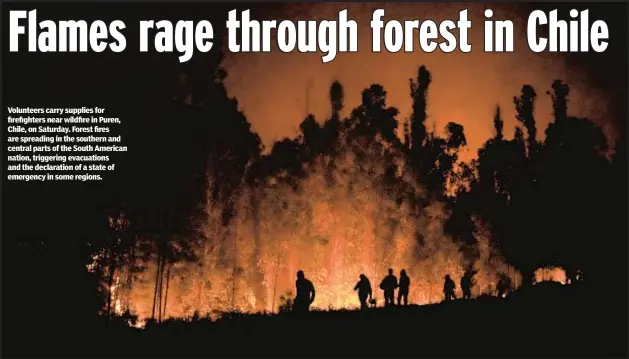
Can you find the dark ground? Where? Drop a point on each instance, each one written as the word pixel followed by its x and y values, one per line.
pixel 548 320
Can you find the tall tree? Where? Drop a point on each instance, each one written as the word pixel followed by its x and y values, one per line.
pixel 525 108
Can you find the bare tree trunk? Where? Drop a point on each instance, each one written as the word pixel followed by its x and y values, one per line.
pixel 110 282
pixel 234 270
pixel 343 261
pixel 203 259
pixel 383 257
pixel 259 289
pixel 170 265
pixel 129 279
pixel 161 289
pixel 157 283
pixel 201 278
pixel 375 236
pixel 277 272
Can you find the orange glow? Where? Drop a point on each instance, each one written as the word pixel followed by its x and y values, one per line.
pixel 551 274
pixel 332 233
pixel 277 90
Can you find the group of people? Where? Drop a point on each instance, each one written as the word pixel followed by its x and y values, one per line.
pixel 388 285
pixel 449 288
pixel 306 292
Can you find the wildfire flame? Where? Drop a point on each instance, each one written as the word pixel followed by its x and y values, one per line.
pixel 551 274
pixel 331 232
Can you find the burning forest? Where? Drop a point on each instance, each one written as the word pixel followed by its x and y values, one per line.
pixel 333 232
pixel 348 196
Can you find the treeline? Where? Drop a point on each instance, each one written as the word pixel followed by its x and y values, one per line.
pixel 549 199
pixel 552 199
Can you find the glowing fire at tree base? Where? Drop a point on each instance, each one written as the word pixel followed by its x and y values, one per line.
pixel 332 233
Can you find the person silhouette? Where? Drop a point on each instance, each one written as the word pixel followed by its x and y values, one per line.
pixel 364 291
pixel 466 285
pixel 305 293
pixel 388 285
pixel 405 283
pixel 448 288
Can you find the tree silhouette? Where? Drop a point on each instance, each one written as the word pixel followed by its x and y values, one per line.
pixel 523 189
pixel 373 118
pixel 332 128
pixel 524 106
pixel 432 157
